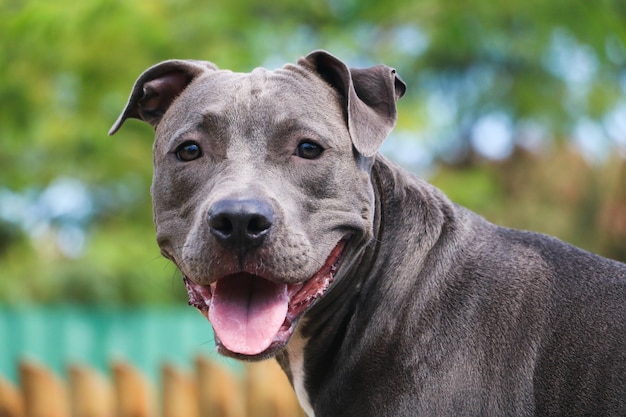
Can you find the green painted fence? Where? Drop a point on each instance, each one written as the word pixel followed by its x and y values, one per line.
pixel 147 338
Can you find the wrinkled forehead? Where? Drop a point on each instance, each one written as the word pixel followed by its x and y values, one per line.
pixel 261 95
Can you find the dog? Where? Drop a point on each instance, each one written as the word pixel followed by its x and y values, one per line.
pixel 377 295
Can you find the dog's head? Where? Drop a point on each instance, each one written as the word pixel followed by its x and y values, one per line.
pixel 261 185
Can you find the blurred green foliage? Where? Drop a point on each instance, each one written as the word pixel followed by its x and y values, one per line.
pixel 549 74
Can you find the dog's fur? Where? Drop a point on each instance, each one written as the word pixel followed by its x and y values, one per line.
pixel 431 311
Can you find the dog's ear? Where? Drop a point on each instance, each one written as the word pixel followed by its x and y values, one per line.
pixel 369 95
pixel 157 87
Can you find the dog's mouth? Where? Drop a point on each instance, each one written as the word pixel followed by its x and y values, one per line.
pixel 254 316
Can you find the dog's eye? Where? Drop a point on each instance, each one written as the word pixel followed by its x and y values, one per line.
pixel 308 150
pixel 188 151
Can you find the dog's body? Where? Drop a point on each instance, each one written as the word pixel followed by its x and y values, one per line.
pixel 475 320
pixel 377 295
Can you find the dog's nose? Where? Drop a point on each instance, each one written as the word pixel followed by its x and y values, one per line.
pixel 240 223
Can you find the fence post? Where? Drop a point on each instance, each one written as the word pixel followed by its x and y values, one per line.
pixel 179 393
pixel 90 393
pixel 219 391
pixel 133 393
pixel 11 401
pixel 44 394
pixel 268 391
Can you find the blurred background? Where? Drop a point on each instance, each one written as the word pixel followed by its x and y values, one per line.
pixel 516 109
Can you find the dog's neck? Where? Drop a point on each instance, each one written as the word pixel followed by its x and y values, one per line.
pixel 330 329
pixel 321 333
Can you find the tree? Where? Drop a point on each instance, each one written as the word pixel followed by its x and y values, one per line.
pixel 488 83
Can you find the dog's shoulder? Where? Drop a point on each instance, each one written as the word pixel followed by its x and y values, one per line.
pixel 564 260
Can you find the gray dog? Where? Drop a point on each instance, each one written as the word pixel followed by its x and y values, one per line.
pixel 376 294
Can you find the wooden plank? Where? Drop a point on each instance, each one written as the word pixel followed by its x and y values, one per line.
pixel 11 401
pixel 180 393
pixel 45 395
pixel 220 392
pixel 133 393
pixel 269 393
pixel 91 395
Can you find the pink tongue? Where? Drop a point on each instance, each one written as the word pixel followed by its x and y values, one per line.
pixel 247 311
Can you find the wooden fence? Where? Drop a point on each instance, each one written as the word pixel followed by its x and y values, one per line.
pixel 210 390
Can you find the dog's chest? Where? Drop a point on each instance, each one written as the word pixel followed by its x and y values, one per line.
pixel 295 352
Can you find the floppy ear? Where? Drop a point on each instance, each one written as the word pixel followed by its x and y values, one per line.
pixel 157 87
pixel 369 95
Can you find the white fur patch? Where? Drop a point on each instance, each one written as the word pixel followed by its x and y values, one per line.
pixel 295 351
